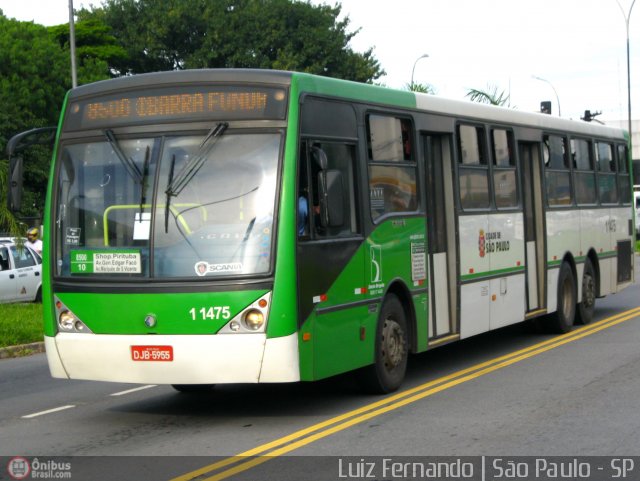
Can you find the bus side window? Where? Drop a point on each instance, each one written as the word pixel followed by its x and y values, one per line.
pixel 607 188
pixel 624 178
pixel 557 170
pixel 504 169
pixel 583 172
pixel 473 168
pixel 392 166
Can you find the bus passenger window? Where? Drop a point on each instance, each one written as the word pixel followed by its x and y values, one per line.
pixel 558 173
pixel 607 187
pixel 473 171
pixel 624 179
pixel 584 175
pixel 392 167
pixel 504 169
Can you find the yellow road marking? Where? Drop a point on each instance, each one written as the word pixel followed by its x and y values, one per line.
pixel 303 437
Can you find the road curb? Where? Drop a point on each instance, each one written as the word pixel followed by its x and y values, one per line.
pixel 22 350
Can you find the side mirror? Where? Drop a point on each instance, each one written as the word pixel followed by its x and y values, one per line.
pixel 17 143
pixel 331 189
pixel 16 170
pixel 320 157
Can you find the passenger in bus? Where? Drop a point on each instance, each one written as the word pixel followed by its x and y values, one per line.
pixel 303 215
pixel 303 212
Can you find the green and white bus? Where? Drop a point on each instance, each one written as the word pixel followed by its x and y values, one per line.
pixel 244 226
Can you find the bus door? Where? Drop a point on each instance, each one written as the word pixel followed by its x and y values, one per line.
pixel 533 226
pixel 443 288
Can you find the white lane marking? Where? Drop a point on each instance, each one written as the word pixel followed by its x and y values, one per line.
pixel 122 393
pixel 49 411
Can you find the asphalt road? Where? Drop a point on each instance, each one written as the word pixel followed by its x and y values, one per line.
pixel 513 392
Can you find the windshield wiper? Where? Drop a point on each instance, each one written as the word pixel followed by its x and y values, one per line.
pixel 128 164
pixel 175 185
pixel 143 181
pixel 191 168
pixel 168 201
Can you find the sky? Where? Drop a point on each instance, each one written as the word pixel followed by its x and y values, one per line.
pixel 577 46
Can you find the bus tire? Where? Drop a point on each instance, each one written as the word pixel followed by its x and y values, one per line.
pixel 562 320
pixel 387 372
pixel 584 315
pixel 193 388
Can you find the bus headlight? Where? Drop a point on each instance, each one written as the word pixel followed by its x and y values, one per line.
pixel 67 321
pixel 253 319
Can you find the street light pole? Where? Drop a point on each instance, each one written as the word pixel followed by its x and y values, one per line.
pixel 72 44
pixel 554 91
pixel 627 16
pixel 413 71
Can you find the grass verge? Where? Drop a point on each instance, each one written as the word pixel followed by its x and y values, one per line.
pixel 20 324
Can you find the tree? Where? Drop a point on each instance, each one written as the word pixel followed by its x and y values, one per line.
pixel 422 88
pixel 34 76
pixel 489 96
pixel 270 34
pixel 96 48
pixel 8 223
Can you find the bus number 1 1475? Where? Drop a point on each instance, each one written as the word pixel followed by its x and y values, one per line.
pixel 212 312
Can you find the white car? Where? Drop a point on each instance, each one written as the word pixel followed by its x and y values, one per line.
pixel 20 274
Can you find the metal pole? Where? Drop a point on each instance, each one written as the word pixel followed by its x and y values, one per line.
pixel 552 88
pixel 627 16
pixel 424 55
pixel 72 43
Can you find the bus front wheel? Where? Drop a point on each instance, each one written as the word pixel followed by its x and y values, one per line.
pixel 391 349
pixel 562 320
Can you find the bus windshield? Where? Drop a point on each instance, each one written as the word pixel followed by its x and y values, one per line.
pixel 167 207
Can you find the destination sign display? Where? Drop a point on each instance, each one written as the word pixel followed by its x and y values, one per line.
pixel 175 104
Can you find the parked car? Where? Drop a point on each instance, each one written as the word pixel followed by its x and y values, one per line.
pixel 7 240
pixel 20 274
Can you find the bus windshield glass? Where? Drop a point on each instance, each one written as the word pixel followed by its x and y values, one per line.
pixel 171 207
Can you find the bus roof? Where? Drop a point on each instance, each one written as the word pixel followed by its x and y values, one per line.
pixel 195 76
pixel 354 91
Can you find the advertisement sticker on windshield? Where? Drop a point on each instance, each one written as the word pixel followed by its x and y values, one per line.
pixel 99 262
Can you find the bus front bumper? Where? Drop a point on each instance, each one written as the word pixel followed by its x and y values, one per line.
pixel 212 359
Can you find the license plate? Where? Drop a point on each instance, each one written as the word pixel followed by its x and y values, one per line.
pixel 152 353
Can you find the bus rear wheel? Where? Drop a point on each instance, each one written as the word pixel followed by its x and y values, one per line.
pixel 391 349
pixel 587 305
